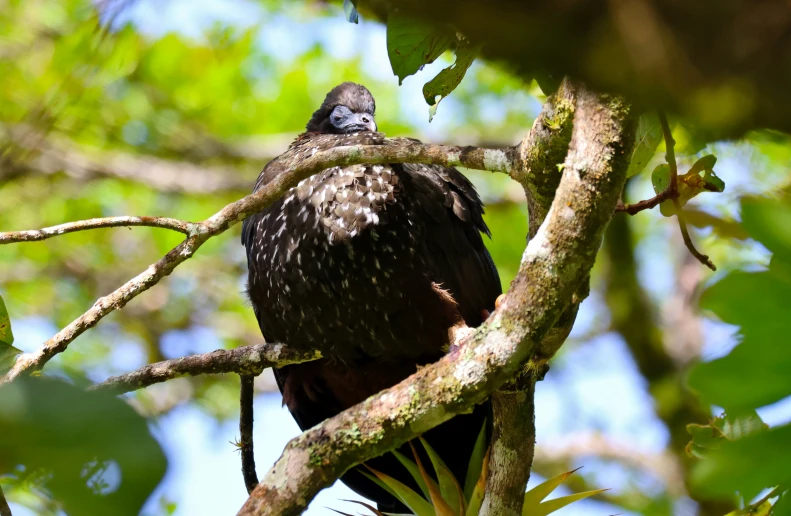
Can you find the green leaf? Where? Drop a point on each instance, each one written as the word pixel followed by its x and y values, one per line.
pixel 555 504
pixel 96 452
pixel 448 484
pixel 414 471
pixel 747 465
pixel 476 499
pixel 707 163
pixel 408 497
pixel 438 499
pixel 412 44
pixel 534 497
pixel 476 463
pixel 446 81
pixel 660 178
pixel 350 10
pixel 726 427
pixel 782 507
pixel 758 360
pixel 6 336
pixel 768 221
pixel 648 138
pixel 8 352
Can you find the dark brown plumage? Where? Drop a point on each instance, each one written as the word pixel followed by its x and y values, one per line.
pixel 372 265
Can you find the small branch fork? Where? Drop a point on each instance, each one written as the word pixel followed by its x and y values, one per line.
pixel 669 193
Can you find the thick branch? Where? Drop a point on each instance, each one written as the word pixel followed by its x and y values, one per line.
pixel 33 235
pixel 245 360
pixel 555 262
pixel 246 432
pixel 539 156
pixel 375 149
pixel 513 445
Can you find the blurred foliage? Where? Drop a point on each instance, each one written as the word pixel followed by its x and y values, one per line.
pixel 227 99
pixel 757 302
pixel 90 451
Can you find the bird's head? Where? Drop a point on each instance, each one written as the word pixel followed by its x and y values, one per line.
pixel 347 108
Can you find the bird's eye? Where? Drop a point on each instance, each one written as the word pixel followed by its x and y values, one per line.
pixel 365 119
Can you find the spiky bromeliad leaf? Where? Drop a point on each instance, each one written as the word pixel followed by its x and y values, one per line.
pixel 407 496
pixel 438 499
pixel 555 504
pixel 448 485
pixel 476 499
pixel 476 463
pixel 414 471
pixel 534 504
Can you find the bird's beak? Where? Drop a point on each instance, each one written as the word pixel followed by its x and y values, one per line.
pixel 361 122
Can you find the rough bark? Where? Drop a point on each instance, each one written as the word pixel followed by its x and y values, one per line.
pixel 513 437
pixel 554 265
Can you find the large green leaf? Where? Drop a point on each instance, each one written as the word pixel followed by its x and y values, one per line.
pixel 726 427
pixel 768 221
pixel 412 44
pixel 747 465
pixel 446 81
pixel 648 138
pixel 95 452
pixel 8 352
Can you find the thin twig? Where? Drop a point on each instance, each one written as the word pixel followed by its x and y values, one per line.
pixel 292 167
pixel 245 360
pixel 33 235
pixel 5 510
pixel 670 156
pixel 669 193
pixel 682 224
pixel 246 432
pixel 647 204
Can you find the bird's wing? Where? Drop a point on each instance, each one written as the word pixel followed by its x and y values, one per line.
pixel 453 215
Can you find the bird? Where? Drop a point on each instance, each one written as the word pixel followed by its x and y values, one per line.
pixel 373 266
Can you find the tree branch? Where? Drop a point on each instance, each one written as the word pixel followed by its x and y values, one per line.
pixel 34 235
pixel 554 264
pixel 374 149
pixel 244 360
pixel 246 432
pixel 513 438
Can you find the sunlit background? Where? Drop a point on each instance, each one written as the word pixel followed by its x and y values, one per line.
pixel 175 111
